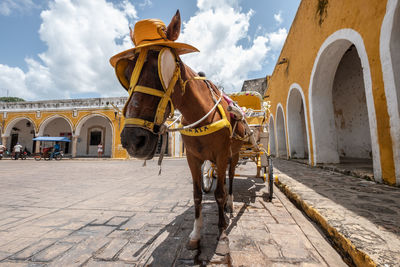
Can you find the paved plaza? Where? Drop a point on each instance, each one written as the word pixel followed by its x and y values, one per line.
pixel 119 213
pixel 361 216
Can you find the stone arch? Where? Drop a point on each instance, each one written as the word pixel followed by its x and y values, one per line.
pixel 18 131
pixel 87 117
pixel 11 124
pixel 271 131
pixel 83 137
pixel 297 134
pixel 325 138
pixel 280 132
pixel 390 61
pixel 46 122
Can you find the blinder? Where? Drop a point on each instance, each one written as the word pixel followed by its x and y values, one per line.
pixel 168 77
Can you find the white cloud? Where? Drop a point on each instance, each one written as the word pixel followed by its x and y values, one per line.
pixel 217 30
pixel 81 37
pixel 278 18
pixel 145 3
pixel 8 6
pixel 277 39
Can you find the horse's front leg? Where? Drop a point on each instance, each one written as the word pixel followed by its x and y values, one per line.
pixel 195 169
pixel 220 197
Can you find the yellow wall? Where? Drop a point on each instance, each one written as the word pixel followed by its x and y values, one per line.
pixel 301 48
pixel 116 122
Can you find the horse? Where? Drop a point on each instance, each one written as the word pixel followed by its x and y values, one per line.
pixel 164 82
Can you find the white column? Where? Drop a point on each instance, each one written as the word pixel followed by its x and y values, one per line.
pixel 74 144
pixel 4 140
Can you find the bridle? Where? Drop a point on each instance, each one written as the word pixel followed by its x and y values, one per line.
pixel 165 95
pixel 157 126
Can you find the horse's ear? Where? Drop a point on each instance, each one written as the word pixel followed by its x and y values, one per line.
pixel 131 35
pixel 174 27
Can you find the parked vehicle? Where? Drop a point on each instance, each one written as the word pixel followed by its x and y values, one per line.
pixel 47 152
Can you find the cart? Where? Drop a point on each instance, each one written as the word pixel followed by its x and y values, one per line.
pixel 256 114
pixel 45 153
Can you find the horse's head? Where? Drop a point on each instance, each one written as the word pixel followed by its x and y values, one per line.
pixel 149 72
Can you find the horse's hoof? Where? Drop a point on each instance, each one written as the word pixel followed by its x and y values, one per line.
pixel 222 246
pixel 193 244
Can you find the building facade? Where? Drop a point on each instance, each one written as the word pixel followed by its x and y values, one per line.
pixel 335 90
pixel 86 122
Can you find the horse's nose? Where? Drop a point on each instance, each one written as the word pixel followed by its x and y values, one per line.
pixel 134 138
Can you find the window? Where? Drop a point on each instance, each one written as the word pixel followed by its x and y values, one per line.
pixel 95 138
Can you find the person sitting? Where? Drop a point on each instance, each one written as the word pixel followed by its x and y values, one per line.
pixel 55 150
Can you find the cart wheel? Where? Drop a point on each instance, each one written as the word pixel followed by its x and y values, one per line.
pixel 208 175
pixel 270 178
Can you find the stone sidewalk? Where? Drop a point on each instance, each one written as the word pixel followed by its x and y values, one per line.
pixel 361 217
pixel 118 213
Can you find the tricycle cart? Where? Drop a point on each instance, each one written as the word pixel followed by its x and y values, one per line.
pixel 46 152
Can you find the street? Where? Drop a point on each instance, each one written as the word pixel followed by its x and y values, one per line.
pixel 119 213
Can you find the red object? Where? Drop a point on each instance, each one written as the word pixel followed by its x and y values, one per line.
pixel 47 149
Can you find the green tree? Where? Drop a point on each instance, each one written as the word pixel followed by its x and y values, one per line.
pixel 11 99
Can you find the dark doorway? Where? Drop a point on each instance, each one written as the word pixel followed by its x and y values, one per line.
pixel 14 141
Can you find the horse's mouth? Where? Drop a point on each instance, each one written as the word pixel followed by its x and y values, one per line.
pixel 139 143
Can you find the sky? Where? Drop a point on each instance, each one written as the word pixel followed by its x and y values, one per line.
pixel 57 49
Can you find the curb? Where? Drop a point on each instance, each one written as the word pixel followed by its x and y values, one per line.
pixel 346 248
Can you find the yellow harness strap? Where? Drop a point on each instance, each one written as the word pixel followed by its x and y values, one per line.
pixel 162 106
pixel 213 127
pixel 139 122
pixel 165 96
pixel 135 75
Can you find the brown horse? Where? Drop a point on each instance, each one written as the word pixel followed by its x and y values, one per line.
pixel 194 100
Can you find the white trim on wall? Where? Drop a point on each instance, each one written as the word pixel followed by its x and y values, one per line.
pixel 44 123
pixel 84 119
pixel 284 129
pixel 296 86
pixel 389 81
pixel 335 45
pixel 12 123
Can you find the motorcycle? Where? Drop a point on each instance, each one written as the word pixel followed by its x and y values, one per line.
pixel 22 155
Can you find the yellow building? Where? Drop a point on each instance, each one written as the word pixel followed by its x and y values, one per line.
pixel 335 90
pixel 86 122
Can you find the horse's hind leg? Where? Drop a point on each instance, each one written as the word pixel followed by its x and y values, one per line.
pixel 195 168
pixel 232 167
pixel 220 193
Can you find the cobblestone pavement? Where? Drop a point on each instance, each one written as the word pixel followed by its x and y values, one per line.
pixel 118 213
pixel 365 213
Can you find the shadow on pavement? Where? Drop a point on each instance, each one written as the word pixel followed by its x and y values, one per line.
pixel 167 246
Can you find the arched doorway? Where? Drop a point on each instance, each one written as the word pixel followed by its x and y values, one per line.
pixel 271 130
pixel 296 121
pixel 20 130
pixel 280 132
pixel 57 126
pixel 92 130
pixel 342 110
pixel 390 61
